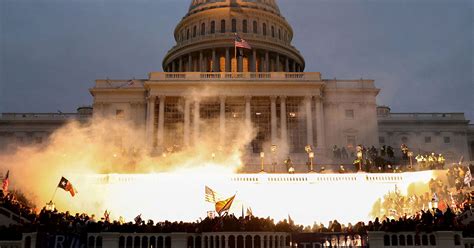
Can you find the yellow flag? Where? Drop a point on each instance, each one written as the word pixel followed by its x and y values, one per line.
pixel 224 205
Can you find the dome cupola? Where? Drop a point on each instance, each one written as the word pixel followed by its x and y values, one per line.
pixel 206 34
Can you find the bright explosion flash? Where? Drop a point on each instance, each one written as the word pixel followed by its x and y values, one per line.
pixel 306 198
pixel 172 187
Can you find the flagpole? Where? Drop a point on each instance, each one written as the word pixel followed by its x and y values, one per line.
pixel 54 194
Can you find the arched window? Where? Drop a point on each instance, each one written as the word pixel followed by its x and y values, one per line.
pixel 424 240
pixel 213 27
pixel 409 240
pixel 144 242
pixel 386 240
pixel 273 31
pixel 432 240
pixel 401 240
pixel 255 27
pixel 394 240
pixel 234 26
pixel 122 242
pixel 222 26
pixel 203 28
pixel 194 31
pixel 279 34
pixel 91 241
pixel 457 240
pixel 264 29
pixel 187 34
pixel 244 26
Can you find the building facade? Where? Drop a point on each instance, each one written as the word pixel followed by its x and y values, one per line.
pixel 209 90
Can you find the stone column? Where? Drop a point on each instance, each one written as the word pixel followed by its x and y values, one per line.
pixel 190 63
pixel 227 60
pixel 294 66
pixel 287 64
pixel 222 120
pixel 240 60
pixel 309 121
pixel 273 119
pixel 320 132
pixel 186 121
pixel 180 64
pixel 277 62
pixel 267 61
pixel 161 121
pixel 150 118
pixel 248 120
pixel 201 67
pixel 173 66
pixel 196 122
pixel 254 60
pixel 283 119
pixel 214 61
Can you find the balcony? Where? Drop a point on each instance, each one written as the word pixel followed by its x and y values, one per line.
pixel 226 76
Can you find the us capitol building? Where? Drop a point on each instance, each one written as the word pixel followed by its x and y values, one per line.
pixel 208 86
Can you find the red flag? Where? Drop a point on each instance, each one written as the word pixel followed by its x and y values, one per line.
pixel 67 186
pixel 6 182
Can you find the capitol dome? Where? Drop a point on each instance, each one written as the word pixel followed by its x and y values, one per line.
pixel 205 39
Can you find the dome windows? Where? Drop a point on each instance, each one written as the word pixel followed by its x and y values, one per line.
pixel 234 26
pixel 222 26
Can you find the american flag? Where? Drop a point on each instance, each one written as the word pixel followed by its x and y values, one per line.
pixel 210 195
pixel 239 42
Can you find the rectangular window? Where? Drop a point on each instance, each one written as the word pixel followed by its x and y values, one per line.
pixel 447 140
pixel 119 114
pixel 351 141
pixel 428 139
pixel 349 113
pixel 382 140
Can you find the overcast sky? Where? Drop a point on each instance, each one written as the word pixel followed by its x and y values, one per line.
pixel 419 52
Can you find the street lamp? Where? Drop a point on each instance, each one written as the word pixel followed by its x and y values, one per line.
pixel 262 155
pixel 359 157
pixel 213 155
pixel 311 156
pixel 273 149
pixel 410 155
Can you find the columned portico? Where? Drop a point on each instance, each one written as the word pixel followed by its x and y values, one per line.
pixel 186 121
pixel 309 120
pixel 222 120
pixel 196 122
pixel 161 121
pixel 150 118
pixel 320 132
pixel 273 119
pixel 283 116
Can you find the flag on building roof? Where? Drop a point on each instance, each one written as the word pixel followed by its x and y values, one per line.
pixel 6 182
pixel 67 186
pixel 239 42
pixel 210 195
pixel 224 205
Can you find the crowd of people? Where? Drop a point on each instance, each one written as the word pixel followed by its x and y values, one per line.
pixel 53 221
pixel 383 159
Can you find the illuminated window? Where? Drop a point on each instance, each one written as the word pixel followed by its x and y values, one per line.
pixel 119 114
pixel 351 141
pixel 234 26
pixel 173 121
pixel 213 27
pixel 260 106
pixel 203 28
pixel 222 26
pixel 296 124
